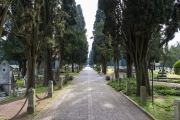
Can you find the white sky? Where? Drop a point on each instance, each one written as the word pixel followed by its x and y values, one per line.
pixel 175 40
pixel 89 8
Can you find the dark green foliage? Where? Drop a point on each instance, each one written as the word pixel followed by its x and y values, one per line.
pixel 167 80
pixel 69 6
pixel 138 24
pixel 114 85
pixel 174 55
pixel 18 50
pixel 101 46
pixel 167 90
pixel 160 89
pixel 98 68
pixel 177 68
pixel 122 88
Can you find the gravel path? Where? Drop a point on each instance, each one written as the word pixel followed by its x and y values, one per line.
pixel 89 98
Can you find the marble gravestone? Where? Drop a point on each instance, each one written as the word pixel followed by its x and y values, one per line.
pixel 5 80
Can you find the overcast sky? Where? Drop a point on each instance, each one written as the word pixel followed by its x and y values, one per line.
pixel 89 8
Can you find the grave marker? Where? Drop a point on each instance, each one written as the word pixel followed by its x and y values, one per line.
pixel 5 79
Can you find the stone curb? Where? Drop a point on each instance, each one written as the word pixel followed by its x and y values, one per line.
pixel 145 111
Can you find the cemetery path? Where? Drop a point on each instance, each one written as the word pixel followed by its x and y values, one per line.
pixel 88 97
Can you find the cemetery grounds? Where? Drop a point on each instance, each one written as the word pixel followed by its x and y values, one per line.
pixel 165 91
pixel 11 105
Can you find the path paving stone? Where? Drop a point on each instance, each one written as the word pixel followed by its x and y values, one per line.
pixel 88 97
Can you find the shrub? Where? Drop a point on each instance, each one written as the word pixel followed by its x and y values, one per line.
pixel 161 87
pixel 98 68
pixel 177 68
pixel 166 90
pixel 122 88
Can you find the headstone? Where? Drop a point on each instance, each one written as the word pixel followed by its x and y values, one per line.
pixel 134 75
pixel 177 109
pixel 112 77
pixel 5 77
pixel 36 74
pixel 2 94
pixel 143 95
pixel 124 76
pixel 25 79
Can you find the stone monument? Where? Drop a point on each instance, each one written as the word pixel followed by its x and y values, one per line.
pixel 5 79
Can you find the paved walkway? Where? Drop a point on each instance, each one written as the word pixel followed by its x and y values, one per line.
pixel 90 98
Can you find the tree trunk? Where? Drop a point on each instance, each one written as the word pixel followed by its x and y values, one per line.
pixel 48 68
pixel 3 16
pixel 72 67
pixel 45 71
pixel 31 70
pixel 129 65
pixel 32 52
pixel 38 65
pixel 142 78
pixel 24 68
pixel 163 66
pixel 58 68
pixel 104 67
pixel 116 68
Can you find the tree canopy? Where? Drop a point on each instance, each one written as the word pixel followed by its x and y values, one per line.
pixel 137 23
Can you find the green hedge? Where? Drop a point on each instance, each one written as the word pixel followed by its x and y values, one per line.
pixel 167 90
pixel 177 68
pixel 159 89
pixel 114 84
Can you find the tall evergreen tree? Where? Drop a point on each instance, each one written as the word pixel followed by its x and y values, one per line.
pixel 137 25
pixel 101 46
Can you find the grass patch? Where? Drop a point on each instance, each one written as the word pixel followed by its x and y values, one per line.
pixel 122 87
pixel 110 71
pixel 40 88
pixel 161 109
pixel 2 118
pixel 172 75
pixel 70 73
pixel 164 97
pixel 8 98
pixel 155 74
pixel 20 82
